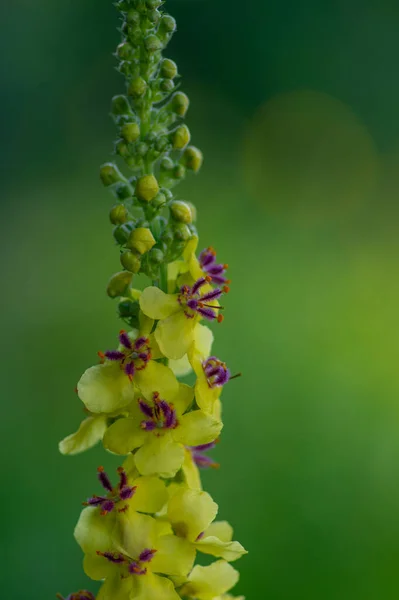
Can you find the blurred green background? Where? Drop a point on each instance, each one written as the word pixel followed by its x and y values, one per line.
pixel 295 105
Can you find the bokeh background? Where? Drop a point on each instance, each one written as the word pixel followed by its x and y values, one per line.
pixel 295 105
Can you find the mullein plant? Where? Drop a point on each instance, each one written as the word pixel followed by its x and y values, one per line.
pixel 141 533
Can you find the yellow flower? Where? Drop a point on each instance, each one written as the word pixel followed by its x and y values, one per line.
pixel 90 432
pixel 208 583
pixel 178 314
pixel 160 427
pixel 141 553
pixel 108 387
pixel 191 514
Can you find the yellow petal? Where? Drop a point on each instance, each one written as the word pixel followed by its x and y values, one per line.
pixel 146 324
pixel 191 472
pixel 180 366
pixel 93 531
pixel 97 567
pixel 153 587
pixel 204 583
pixel 220 529
pixel 175 556
pixel 160 456
pixel 156 304
pixel 203 340
pixel 175 334
pixel 116 587
pixel 228 550
pixel 123 436
pixel 196 428
pixel 206 396
pixel 90 432
pixel 150 495
pixel 136 532
pixel 183 399
pixel 156 377
pixel 105 388
pixel 191 512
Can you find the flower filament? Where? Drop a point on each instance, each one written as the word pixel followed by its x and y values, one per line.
pixel 216 271
pixel 133 356
pixel 161 415
pixel 193 302
pixel 134 567
pixel 120 493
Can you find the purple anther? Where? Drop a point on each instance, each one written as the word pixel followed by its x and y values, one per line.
pixel 114 355
pixel 193 302
pixel 107 506
pixel 202 460
pixel 146 409
pixel 216 271
pixel 114 558
pixel 140 342
pixel 127 492
pixel 122 477
pixel 95 501
pixel 216 372
pixel 148 425
pixel 136 569
pixel 125 340
pixel 213 295
pixel 200 536
pixel 198 284
pixel 147 555
pixel 207 313
pixel 129 369
pixel 104 479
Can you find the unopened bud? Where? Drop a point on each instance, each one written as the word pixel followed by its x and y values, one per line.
pixel 118 214
pixel 154 16
pixel 166 164
pixel 159 200
pixel 125 51
pixel 121 232
pixel 181 212
pixel 110 174
pixel 180 103
pixel 152 4
pixel 141 240
pixel 122 149
pixel 179 172
pixel 120 106
pixel 118 283
pixel 167 85
pixel 193 211
pixel 152 43
pixel 168 68
pixel 131 261
pixel 180 137
pixel 168 24
pixel 133 17
pixel 123 190
pixel 181 232
pixel 156 256
pixel 130 132
pixel 192 158
pixel 137 87
pixel 147 188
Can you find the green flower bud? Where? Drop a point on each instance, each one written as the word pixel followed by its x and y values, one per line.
pixel 118 214
pixel 152 43
pixel 147 188
pixel 130 132
pixel 167 237
pixel 180 137
pixel 151 137
pixel 120 106
pixel 159 200
pixel 133 17
pixel 181 212
pixel 154 16
pixel 110 174
pixel 121 232
pixel 122 149
pixel 123 191
pixel 168 68
pixel 152 4
pixel 192 158
pixel 125 51
pixel 161 144
pixel 167 193
pixel 156 256
pixel 118 283
pixel 181 232
pixel 167 85
pixel 142 149
pixel 179 104
pixel 141 240
pixel 131 261
pixel 168 24
pixel 137 87
pixel 193 211
pixel 179 172
pixel 166 164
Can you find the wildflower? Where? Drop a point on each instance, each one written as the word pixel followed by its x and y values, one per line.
pixel 132 568
pixel 208 583
pixel 212 374
pixel 82 595
pixel 90 432
pixel 178 314
pixel 207 261
pixel 160 427
pixel 202 344
pixel 107 387
pixel 191 514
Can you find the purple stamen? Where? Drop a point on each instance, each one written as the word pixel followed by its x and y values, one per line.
pixel 114 355
pixel 207 313
pixel 204 447
pixel 202 461
pixel 95 501
pixel 215 271
pixel 129 369
pixel 122 477
pixel 213 295
pixel 216 372
pixel 125 340
pixel 200 536
pixel 148 425
pixel 104 479
pixel 147 555
pixel 127 492
pixel 207 258
pixel 114 558
pixel 198 284
pixel 140 342
pixel 108 506
pixel 146 409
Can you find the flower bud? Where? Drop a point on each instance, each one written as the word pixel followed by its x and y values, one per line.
pixel 147 188
pixel 180 103
pixel 181 232
pixel 118 214
pixel 179 172
pixel 193 211
pixel 137 87
pixel 192 158
pixel 167 85
pixel 133 17
pixel 141 240
pixel 129 310
pixel 180 137
pixel 152 43
pixel 159 200
pixel 122 149
pixel 125 51
pixel 152 4
pixel 181 212
pixel 166 164
pixel 154 16
pixel 120 106
pixel 110 174
pixel 121 232
pixel 161 144
pixel 156 256
pixel 118 283
pixel 168 24
pixel 131 261
pixel 130 132
pixel 167 193
pixel 123 190
pixel 168 68
pixel 141 149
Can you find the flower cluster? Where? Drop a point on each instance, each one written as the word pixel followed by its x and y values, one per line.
pixel 140 536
